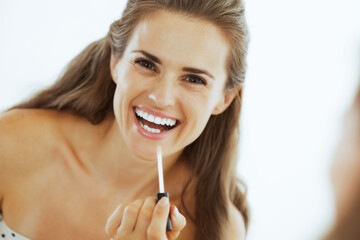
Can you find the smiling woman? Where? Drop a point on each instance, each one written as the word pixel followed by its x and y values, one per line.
pixel 154 75
pixel 169 74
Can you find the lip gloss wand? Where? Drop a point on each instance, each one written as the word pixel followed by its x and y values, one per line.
pixel 162 193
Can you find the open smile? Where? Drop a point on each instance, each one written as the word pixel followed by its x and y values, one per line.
pixel 154 124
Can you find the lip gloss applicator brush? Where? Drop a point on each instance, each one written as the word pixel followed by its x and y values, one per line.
pixel 162 193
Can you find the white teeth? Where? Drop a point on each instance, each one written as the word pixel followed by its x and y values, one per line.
pixel 153 119
pixel 149 129
pixel 163 121
pixel 158 120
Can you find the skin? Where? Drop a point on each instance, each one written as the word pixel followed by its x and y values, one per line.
pixel 84 181
pixel 144 220
pixel 166 87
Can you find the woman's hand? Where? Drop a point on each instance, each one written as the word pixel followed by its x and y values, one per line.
pixel 144 219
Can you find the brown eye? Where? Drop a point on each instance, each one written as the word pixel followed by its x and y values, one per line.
pixel 195 80
pixel 146 64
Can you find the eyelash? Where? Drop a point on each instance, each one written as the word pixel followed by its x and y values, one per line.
pixel 198 80
pixel 150 66
pixel 143 63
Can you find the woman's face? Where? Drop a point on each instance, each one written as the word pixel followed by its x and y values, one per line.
pixel 170 80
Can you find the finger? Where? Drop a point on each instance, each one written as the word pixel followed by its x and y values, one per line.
pixel 114 220
pixel 131 212
pixel 157 227
pixel 178 222
pixel 145 215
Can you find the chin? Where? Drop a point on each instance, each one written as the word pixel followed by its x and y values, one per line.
pixel 143 152
pixel 146 151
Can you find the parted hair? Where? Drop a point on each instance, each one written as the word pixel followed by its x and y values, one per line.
pixel 86 89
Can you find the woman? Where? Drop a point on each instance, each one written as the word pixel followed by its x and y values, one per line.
pixel 80 149
pixel 346 178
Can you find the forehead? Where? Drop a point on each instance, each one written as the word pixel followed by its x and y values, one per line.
pixel 175 37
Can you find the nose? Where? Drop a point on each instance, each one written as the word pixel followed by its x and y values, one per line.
pixel 163 92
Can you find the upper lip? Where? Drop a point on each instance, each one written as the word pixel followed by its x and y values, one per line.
pixel 155 112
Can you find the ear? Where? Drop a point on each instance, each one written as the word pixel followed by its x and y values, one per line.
pixel 113 70
pixel 226 100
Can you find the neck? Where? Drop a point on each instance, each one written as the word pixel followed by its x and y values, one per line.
pixel 115 164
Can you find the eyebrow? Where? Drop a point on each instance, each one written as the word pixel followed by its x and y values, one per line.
pixel 198 71
pixel 185 69
pixel 150 56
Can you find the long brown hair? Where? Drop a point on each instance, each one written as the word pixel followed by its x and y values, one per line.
pixel 86 89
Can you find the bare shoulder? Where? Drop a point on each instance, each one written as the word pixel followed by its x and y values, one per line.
pixel 21 130
pixel 29 113
pixel 236 227
pixel 26 126
pixel 24 136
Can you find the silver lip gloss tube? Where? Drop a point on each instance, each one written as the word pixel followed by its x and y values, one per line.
pixel 162 193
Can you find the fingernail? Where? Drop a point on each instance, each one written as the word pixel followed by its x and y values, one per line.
pixel 176 212
pixel 163 201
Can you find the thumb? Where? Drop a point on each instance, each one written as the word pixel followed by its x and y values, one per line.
pixel 157 227
pixel 178 222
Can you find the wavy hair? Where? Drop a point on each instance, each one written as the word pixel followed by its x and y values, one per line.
pixel 86 89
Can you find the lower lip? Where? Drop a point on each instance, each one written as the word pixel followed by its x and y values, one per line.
pixel 150 135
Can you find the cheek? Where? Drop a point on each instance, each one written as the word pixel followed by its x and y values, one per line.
pixel 198 108
pixel 124 80
pixel 126 91
pixel 128 85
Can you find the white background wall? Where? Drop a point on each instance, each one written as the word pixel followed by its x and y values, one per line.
pixel 304 60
